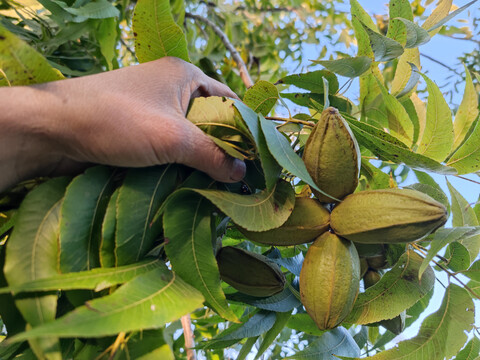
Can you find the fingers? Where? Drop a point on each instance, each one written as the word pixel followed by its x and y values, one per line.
pixel 201 153
pixel 210 87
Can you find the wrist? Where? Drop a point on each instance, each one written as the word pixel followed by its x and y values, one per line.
pixel 27 145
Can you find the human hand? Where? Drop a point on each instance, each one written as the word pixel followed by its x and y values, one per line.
pixel 131 117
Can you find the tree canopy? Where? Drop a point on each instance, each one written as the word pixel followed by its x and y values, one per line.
pixel 172 297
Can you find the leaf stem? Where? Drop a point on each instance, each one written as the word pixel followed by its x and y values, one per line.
pixel 290 120
pixel 247 80
pixel 449 273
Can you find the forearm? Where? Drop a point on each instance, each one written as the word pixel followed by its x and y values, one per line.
pixel 26 133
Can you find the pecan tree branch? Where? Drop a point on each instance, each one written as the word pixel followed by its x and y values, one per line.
pixel 188 335
pixel 247 80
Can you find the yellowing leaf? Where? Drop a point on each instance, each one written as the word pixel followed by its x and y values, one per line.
pixel 397 290
pixel 442 10
pixel 261 97
pixel 467 111
pixel 21 64
pixel 437 139
pixel 156 33
pixel 442 333
pixel 421 110
pixel 404 70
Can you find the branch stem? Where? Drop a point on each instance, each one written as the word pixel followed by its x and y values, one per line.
pixel 449 273
pixel 188 335
pixel 247 80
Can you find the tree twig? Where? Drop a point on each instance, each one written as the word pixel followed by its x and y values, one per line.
pixel 467 179
pixel 188 335
pixel 449 273
pixel 440 63
pixel 247 80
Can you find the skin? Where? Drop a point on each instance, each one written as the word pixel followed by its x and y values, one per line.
pixel 132 117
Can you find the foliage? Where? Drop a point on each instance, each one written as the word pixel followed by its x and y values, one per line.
pixel 83 258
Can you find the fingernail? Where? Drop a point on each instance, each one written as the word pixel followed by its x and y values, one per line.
pixel 238 170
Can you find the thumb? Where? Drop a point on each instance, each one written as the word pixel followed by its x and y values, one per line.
pixel 203 154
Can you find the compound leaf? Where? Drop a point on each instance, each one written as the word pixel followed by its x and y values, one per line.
pixel 140 196
pixel 257 212
pixel 21 64
pixel 188 236
pixel 261 97
pixel 148 301
pixel 156 32
pixel 348 67
pixel 441 334
pixel 396 291
pixel 83 209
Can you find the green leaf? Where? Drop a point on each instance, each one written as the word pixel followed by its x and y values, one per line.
pixel 312 81
pixel 148 301
pixel 281 302
pixel 96 279
pixel 464 215
pixel 270 335
pixel 107 39
pixel 292 264
pixel 247 348
pixel 348 67
pixel 22 64
pixel 474 271
pixel 217 116
pixel 188 237
pixel 261 97
pixel 258 324
pixel 396 29
pixel 156 32
pixel 9 314
pixel 467 111
pixel 441 334
pixel 458 257
pixel 313 99
pixel 83 208
pixel 471 351
pixel 376 178
pixel 467 158
pixel 257 212
pixel 140 196
pixel 107 243
pixel 386 147
pixel 270 167
pixel 437 140
pixel 433 192
pixel 399 122
pixel 96 9
pixel 281 150
pixel 412 81
pixel 450 16
pixel 32 247
pixel 145 345
pixel 359 16
pixel 337 341
pixel 384 48
pixel 304 323
pixel 32 254
pixel 405 73
pixel 443 237
pixel 416 35
pixel 396 291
